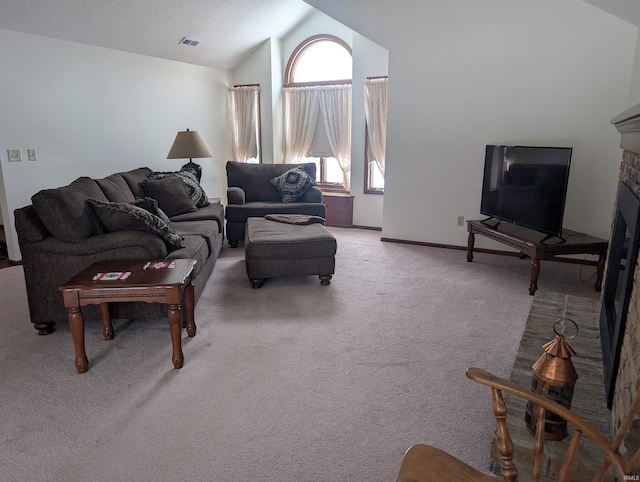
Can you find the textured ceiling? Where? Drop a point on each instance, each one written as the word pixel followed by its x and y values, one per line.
pixel 229 29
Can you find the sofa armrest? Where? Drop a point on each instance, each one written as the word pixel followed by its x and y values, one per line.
pixel 108 246
pixel 235 195
pixel 313 195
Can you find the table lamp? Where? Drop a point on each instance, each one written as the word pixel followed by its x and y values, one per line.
pixel 189 145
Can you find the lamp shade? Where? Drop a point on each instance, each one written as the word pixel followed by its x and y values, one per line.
pixel 188 144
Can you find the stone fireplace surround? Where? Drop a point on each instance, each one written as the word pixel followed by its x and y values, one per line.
pixel 628 376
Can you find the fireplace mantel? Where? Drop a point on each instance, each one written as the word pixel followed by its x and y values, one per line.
pixel 628 124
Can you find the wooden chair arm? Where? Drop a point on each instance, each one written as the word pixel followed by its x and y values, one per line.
pixel 485 378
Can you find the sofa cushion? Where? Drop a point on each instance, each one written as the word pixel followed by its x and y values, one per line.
pixel 293 184
pixel 205 229
pixel 259 210
pixel 212 212
pixel 65 212
pixel 130 217
pixel 116 189
pixel 255 179
pixel 191 185
pixel 170 193
pixel 195 247
pixel 134 179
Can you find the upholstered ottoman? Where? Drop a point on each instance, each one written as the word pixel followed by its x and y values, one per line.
pixel 275 249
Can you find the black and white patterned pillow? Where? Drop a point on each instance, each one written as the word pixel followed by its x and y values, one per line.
pixel 191 185
pixel 293 184
pixel 130 217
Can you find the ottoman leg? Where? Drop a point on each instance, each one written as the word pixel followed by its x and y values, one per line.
pixel 325 279
pixel 257 282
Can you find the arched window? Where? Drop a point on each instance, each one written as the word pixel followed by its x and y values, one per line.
pixel 323 60
pixel 318 60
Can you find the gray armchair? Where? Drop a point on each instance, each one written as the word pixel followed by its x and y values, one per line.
pixel 251 194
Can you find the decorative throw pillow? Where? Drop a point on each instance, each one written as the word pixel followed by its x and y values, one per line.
pixel 191 185
pixel 293 184
pixel 130 217
pixel 65 213
pixel 151 205
pixel 170 193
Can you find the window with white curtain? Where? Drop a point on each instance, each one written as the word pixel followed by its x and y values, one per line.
pixel 375 109
pixel 317 101
pixel 244 105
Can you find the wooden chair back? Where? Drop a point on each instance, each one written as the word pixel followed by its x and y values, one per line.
pixel 419 464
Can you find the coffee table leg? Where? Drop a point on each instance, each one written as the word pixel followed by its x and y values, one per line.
pixel 535 272
pixel 175 325
pixel 76 324
pixel 189 305
pixel 107 327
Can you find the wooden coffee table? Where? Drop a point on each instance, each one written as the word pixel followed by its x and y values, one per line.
pixel 172 285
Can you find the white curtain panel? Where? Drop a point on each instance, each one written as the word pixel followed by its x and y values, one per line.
pixel 375 111
pixel 300 117
pixel 244 110
pixel 335 102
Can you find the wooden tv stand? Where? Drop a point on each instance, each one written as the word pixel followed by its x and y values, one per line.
pixel 530 244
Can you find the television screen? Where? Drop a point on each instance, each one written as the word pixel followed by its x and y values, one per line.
pixel 526 186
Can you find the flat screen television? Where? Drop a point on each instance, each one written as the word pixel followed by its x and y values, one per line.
pixel 526 186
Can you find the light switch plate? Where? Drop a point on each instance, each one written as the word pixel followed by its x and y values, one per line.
pixel 14 155
pixel 32 155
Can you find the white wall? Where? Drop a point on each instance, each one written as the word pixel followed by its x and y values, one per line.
pixel 466 73
pixel 634 95
pixel 91 111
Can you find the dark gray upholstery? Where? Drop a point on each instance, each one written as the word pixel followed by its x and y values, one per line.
pixel 170 194
pixel 274 249
pixel 251 194
pixel 116 188
pixel 65 211
pixel 49 261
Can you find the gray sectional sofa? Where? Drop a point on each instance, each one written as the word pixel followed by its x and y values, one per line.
pixel 62 233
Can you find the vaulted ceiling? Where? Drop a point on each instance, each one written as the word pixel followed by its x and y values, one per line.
pixel 228 30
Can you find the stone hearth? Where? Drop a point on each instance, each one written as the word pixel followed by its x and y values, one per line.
pixel 589 399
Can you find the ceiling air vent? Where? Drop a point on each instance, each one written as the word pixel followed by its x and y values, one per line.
pixel 189 41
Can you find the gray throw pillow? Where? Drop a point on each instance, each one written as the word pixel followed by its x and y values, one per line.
pixel 191 185
pixel 171 196
pixel 65 213
pixel 131 217
pixel 151 205
pixel 293 184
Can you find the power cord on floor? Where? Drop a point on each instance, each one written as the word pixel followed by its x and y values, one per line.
pixel 582 265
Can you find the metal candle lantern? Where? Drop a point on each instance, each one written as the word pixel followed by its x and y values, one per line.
pixel 554 376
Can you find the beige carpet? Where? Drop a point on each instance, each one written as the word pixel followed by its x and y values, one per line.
pixel 291 382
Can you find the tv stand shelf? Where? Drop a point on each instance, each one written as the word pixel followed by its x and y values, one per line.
pixel 530 244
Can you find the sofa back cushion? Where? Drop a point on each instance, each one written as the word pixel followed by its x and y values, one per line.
pixel 116 188
pixel 134 179
pixel 255 179
pixel 65 212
